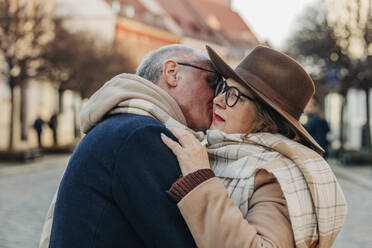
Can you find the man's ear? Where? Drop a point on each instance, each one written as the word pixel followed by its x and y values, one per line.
pixel 170 73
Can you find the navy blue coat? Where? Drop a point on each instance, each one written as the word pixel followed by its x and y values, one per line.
pixel 113 193
pixel 318 128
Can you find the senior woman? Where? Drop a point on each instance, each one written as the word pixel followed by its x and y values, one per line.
pixel 261 182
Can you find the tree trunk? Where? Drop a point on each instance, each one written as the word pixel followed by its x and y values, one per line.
pixel 11 119
pixel 76 106
pixel 60 101
pixel 23 112
pixel 342 123
pixel 368 123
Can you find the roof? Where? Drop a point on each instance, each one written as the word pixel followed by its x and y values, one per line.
pixel 206 20
pixel 192 24
pixel 227 22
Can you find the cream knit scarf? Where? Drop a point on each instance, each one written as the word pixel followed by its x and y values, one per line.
pixel 129 93
pixel 315 201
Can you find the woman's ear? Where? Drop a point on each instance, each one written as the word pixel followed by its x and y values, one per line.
pixel 170 73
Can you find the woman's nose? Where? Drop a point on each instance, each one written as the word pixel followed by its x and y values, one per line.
pixel 219 100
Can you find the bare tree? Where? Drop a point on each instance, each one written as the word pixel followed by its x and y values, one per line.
pixel 354 35
pixel 25 29
pixel 81 63
pixel 325 44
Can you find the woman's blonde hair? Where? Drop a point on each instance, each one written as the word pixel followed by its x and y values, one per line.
pixel 269 120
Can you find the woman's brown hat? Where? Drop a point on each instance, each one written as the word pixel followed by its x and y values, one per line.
pixel 277 80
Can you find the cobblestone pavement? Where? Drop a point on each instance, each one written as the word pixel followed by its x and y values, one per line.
pixel 25 194
pixel 26 191
pixel 357 231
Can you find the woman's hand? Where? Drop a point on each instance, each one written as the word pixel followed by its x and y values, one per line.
pixel 191 155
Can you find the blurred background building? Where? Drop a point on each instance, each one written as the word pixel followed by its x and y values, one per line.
pixel 56 53
pixel 82 42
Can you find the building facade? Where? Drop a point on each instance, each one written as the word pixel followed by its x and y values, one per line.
pixel 42 97
pixel 134 27
pixel 149 24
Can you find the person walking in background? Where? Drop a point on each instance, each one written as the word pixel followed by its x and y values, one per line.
pixel 38 126
pixel 366 143
pixel 317 125
pixel 53 125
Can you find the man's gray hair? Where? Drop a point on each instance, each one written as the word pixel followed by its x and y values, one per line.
pixel 151 66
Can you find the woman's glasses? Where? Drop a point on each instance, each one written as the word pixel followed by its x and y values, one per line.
pixel 232 94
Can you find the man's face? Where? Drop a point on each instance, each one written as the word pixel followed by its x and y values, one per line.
pixel 195 92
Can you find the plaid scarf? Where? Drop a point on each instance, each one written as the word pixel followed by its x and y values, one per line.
pixel 315 201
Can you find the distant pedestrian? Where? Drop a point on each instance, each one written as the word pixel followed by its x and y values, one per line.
pixel 366 142
pixel 53 125
pixel 318 126
pixel 38 126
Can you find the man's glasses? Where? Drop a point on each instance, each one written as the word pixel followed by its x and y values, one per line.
pixel 232 94
pixel 218 80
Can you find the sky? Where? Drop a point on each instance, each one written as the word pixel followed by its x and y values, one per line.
pixel 271 20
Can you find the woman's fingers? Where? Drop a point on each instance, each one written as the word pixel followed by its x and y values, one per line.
pixel 191 155
pixel 184 137
pixel 173 145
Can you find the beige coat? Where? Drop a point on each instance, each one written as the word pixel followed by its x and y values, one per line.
pixel 215 221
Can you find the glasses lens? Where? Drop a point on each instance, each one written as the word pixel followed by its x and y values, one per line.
pixel 232 96
pixel 219 87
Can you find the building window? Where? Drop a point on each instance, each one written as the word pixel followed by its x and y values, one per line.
pixel 116 6
pixel 159 21
pixel 129 11
pixel 148 17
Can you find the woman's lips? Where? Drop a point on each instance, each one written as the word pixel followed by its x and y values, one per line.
pixel 216 117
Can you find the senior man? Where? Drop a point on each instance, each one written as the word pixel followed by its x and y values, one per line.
pixel 113 193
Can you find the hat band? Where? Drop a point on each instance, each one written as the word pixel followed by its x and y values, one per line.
pixel 264 89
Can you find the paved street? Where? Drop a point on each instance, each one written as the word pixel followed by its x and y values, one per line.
pixel 25 194
pixel 26 191
pixel 357 231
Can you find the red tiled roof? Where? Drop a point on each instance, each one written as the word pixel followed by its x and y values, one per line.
pixel 231 25
pixel 187 18
pixel 206 20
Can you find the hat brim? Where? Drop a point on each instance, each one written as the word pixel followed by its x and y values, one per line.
pixel 227 72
